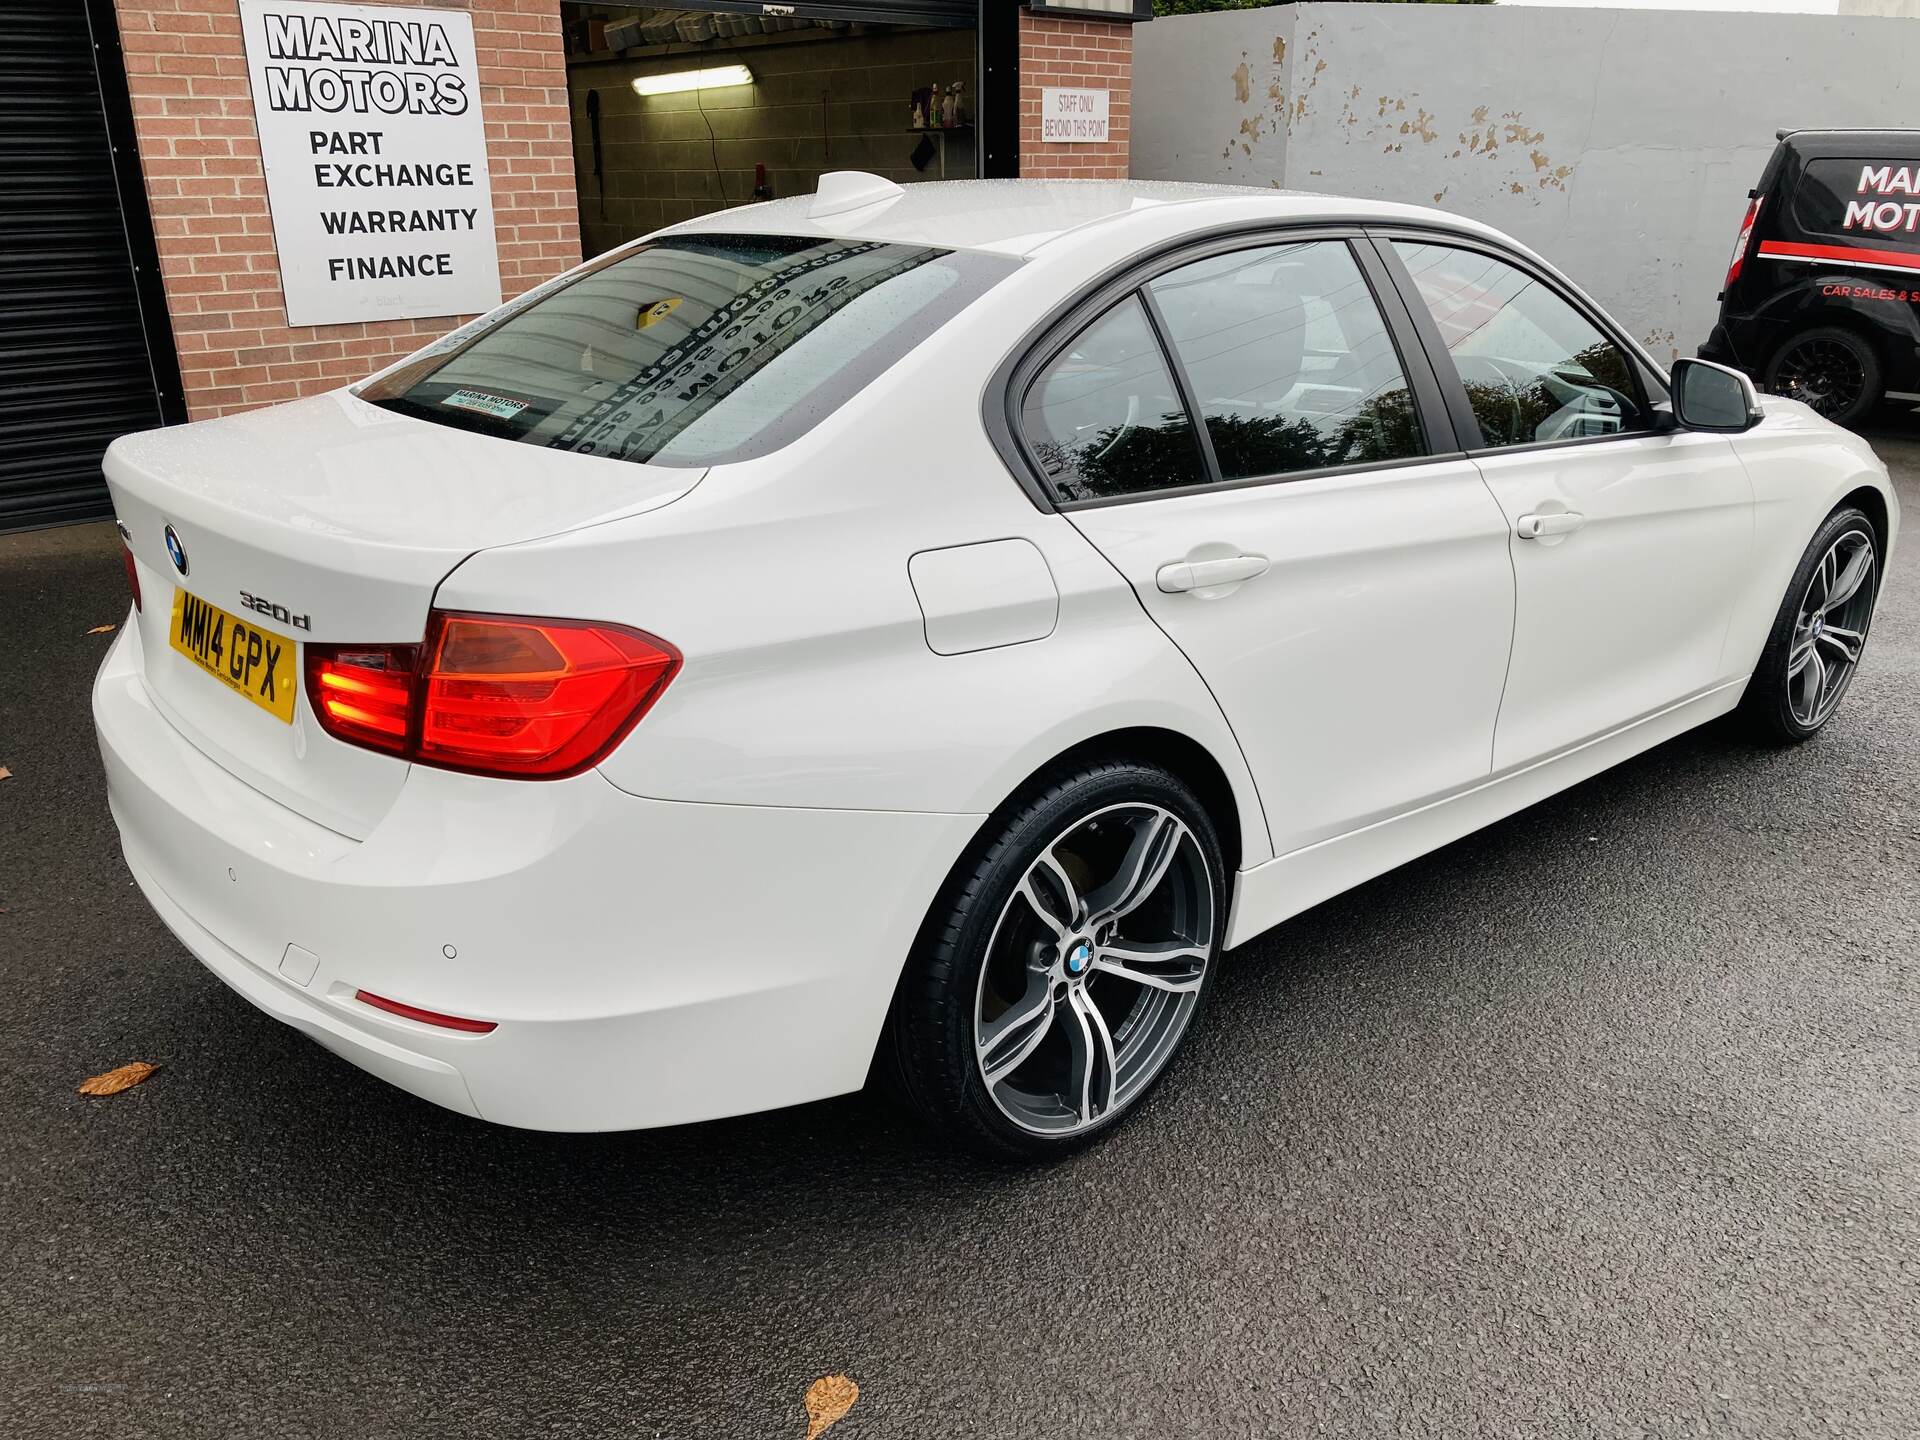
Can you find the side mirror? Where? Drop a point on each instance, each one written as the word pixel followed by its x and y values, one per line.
pixel 1713 397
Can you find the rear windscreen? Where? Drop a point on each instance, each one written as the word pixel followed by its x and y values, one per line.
pixel 692 350
pixel 1874 203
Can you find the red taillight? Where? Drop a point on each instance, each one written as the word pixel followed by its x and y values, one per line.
pixel 1740 245
pixel 364 693
pixel 425 1017
pixel 535 697
pixel 493 694
pixel 133 573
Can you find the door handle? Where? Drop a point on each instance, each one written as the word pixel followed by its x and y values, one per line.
pixel 1560 522
pixel 1185 575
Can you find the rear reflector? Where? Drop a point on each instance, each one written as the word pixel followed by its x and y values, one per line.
pixel 502 695
pixel 133 573
pixel 425 1017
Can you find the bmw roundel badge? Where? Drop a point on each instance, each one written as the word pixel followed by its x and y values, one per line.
pixel 176 551
pixel 1078 960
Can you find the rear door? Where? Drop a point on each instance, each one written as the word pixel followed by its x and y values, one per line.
pixel 1627 541
pixel 1338 578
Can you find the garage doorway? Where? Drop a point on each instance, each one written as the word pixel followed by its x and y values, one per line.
pixel 86 354
pixel 680 111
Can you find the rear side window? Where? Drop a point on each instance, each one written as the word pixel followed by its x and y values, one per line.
pixel 1289 362
pixel 694 350
pixel 1105 418
pixel 1873 203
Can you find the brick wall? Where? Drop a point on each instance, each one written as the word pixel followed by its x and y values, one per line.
pixel 1083 54
pixel 193 114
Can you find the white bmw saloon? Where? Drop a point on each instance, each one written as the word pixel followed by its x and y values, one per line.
pixel 917 631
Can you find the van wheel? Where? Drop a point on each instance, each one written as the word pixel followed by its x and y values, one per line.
pixel 1832 370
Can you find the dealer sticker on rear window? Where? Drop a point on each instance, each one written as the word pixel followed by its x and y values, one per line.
pixel 497 406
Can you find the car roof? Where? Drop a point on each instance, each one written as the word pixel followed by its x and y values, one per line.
pixel 1020 217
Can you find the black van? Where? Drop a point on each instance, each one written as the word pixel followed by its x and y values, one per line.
pixel 1822 298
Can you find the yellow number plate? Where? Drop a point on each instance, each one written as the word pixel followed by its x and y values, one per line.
pixel 247 660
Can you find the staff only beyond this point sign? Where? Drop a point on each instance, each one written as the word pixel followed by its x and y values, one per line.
pixel 376 159
pixel 1069 117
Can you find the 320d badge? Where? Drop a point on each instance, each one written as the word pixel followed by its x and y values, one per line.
pixel 278 611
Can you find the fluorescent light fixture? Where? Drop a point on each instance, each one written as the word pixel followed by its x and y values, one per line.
pixel 676 81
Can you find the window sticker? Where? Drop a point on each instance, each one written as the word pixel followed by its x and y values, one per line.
pixel 498 406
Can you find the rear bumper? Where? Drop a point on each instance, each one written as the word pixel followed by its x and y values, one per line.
pixel 644 962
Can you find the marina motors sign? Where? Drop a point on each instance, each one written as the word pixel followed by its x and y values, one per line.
pixel 376 159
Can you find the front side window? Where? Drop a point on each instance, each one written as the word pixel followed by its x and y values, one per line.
pixel 693 350
pixel 1104 418
pixel 1290 365
pixel 1535 369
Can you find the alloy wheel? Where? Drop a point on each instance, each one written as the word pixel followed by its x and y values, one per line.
pixel 1094 968
pixel 1824 374
pixel 1830 628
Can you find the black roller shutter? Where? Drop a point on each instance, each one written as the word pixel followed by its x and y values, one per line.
pixel 895 12
pixel 75 369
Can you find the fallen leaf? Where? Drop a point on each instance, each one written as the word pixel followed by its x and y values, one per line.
pixel 5 774
pixel 128 1076
pixel 828 1400
pixel 103 629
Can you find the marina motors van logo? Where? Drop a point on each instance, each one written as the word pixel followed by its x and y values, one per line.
pixel 1884 216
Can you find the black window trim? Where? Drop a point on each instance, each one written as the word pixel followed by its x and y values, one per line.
pixel 1649 378
pixel 1007 390
pixel 1182 381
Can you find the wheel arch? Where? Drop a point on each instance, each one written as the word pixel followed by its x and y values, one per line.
pixel 1874 505
pixel 1178 754
pixel 1190 760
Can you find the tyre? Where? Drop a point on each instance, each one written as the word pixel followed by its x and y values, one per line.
pixel 1832 370
pixel 1820 633
pixel 1064 963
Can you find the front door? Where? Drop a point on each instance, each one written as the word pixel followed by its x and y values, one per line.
pixel 1627 540
pixel 1348 600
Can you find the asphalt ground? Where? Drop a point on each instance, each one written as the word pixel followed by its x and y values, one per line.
pixel 1600 1122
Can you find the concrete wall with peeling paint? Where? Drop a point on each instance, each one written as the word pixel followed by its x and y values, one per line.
pixel 1618 143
